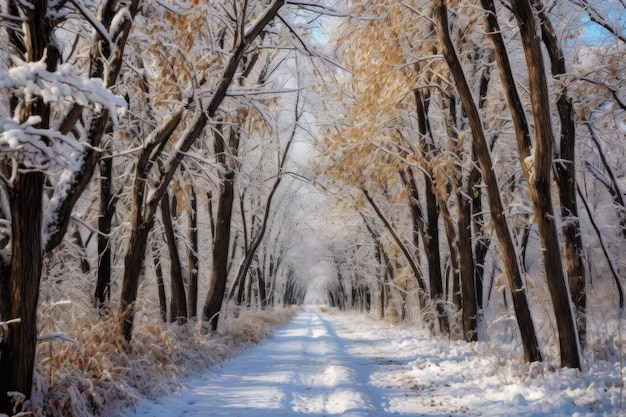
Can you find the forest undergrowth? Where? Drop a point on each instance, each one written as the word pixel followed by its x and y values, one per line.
pixel 90 370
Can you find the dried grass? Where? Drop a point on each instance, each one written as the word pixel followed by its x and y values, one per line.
pixel 92 371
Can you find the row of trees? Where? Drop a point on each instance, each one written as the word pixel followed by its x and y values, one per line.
pixel 464 125
pixel 142 129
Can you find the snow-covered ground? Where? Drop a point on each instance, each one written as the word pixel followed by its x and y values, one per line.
pixel 331 363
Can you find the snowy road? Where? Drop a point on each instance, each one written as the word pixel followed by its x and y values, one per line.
pixel 342 365
pixel 306 368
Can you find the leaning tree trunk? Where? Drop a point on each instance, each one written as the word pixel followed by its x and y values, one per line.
pixel 405 251
pixel 573 250
pixel 509 254
pixel 537 169
pixel 142 220
pixel 178 300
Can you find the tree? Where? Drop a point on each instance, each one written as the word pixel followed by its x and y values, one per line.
pixel 538 167
pixel 47 93
pixel 522 309
pixel 146 200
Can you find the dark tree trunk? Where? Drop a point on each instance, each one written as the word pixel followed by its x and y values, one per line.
pixel 261 288
pixel 178 300
pixel 107 210
pixel 509 255
pixel 17 358
pixel 469 310
pixel 481 240
pixel 566 180
pixel 416 210
pixel 431 236
pixel 85 267
pixel 221 242
pixel 133 264
pixel 158 270
pixel 453 246
pixel 249 281
pixel 20 287
pixel 540 186
pixel 193 254
pixel 142 219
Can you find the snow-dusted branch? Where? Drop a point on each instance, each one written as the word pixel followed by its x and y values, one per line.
pixel 62 86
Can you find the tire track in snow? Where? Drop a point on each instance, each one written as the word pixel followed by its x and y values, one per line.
pixel 305 369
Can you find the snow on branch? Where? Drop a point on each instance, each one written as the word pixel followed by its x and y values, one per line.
pixel 40 148
pixel 25 144
pixel 62 86
pixel 93 20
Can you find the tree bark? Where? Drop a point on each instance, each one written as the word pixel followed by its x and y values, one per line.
pixel 142 220
pixel 565 170
pixel 509 255
pixel 539 182
pixel 133 265
pixel 107 210
pixel 193 254
pixel 431 237
pixel 20 289
pixel 158 270
pixel 17 355
pixel 221 242
pixel 453 247
pixel 469 310
pixel 178 300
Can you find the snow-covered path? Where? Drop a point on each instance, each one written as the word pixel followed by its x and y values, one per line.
pixel 304 369
pixel 337 364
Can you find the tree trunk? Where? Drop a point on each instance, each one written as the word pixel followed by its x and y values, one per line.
pixel 221 242
pixel 509 255
pixel 107 210
pixel 540 185
pixel 20 289
pixel 407 255
pixel 469 310
pixel 453 246
pixel 178 300
pixel 573 250
pixel 85 267
pixel 481 240
pixel 262 292
pixel 431 237
pixel 193 254
pixel 133 264
pixel 158 270
pixel 414 204
pixel 17 355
